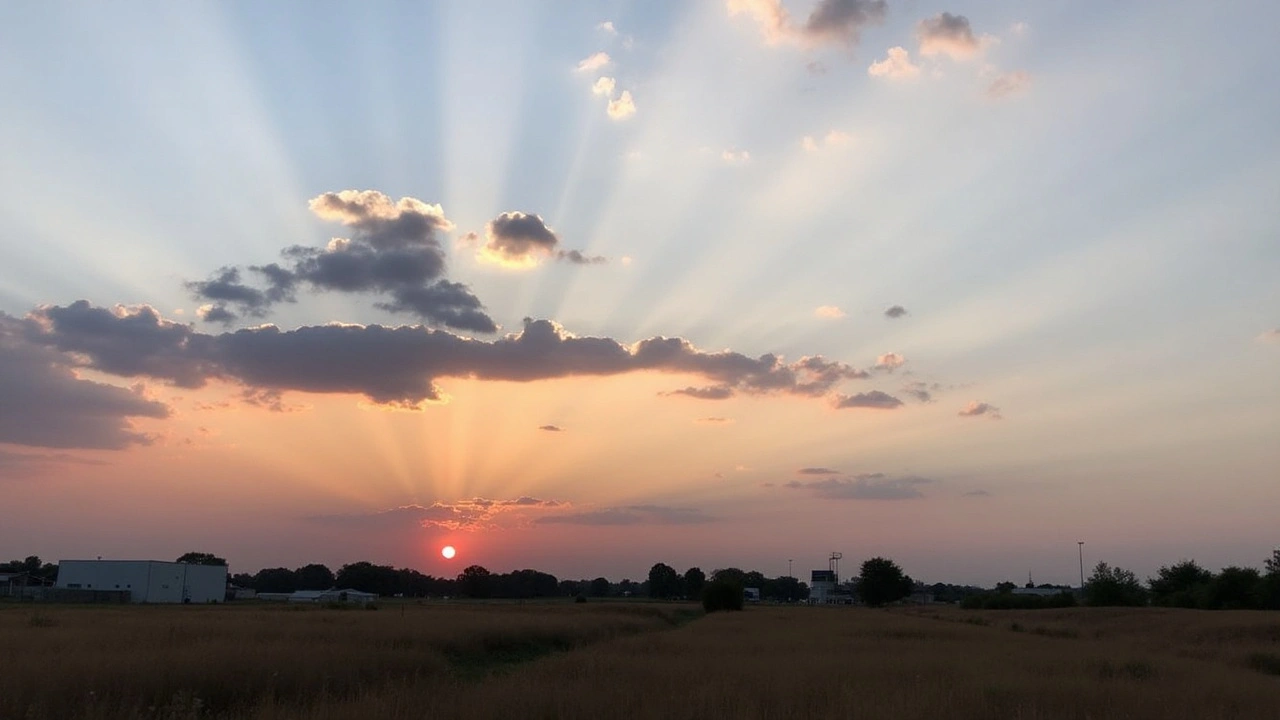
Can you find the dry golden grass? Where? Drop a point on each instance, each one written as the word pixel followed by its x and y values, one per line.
pixel 637 661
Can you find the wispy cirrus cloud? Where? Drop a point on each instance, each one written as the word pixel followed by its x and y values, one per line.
pixel 467 515
pixel 867 486
pixel 631 515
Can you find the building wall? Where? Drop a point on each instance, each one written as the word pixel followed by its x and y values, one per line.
pixel 148 581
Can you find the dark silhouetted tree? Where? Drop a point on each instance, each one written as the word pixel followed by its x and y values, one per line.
pixel 881 581
pixel 476 582
pixel 664 581
pixel 1272 564
pixel 1110 586
pixel 731 574
pixel 600 587
pixel 1235 588
pixel 1182 584
pixel 694 581
pixel 722 593
pixel 315 577
pixel 275 580
pixel 1005 587
pixel 199 558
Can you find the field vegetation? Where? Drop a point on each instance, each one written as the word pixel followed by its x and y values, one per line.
pixel 648 660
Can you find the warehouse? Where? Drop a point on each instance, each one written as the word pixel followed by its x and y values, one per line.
pixel 147 581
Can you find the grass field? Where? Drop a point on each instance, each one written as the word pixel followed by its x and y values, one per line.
pixel 634 660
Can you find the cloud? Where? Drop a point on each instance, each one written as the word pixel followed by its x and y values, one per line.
pixel 734 156
pixel 608 27
pixel 459 515
pixel 44 404
pixel 897 65
pixel 837 22
pixel 833 139
pixel 216 314
pixel 28 464
pixel 272 400
pixel 716 392
pixel 1019 28
pixel 397 366
pixel 623 107
pixel 947 34
pixel 1272 335
pixel 977 493
pixel 895 312
pixel 975 408
pixel 604 86
pixel 920 391
pixel 520 241
pixel 817 471
pixel 594 62
pixel 551 428
pixel 874 399
pixel 828 311
pixel 867 486
pixel 631 515
pixel 1008 84
pixel 714 421
pixel 816 68
pixel 889 362
pixel 393 251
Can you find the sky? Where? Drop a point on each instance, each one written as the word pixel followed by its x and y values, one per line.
pixel 584 286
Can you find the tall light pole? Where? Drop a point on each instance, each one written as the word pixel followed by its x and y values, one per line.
pixel 790 585
pixel 789 568
pixel 1080 543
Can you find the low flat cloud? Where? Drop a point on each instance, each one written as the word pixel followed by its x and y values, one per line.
pixel 832 140
pixel 714 421
pixel 631 515
pixel 34 464
pixel 734 156
pixel 977 493
pixel 1007 84
pixel 867 486
pixel 921 391
pixel 896 65
pixel 895 311
pixel 459 515
pixel 817 471
pixel 44 404
pixel 828 311
pixel 874 399
pixel 715 392
pixel 947 34
pixel 979 409
pixel 835 22
pixel 396 366
pixel 394 252
pixel 551 428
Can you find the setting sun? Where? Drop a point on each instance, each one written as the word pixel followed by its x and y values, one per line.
pixel 448 552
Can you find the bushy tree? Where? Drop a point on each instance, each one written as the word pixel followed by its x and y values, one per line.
pixel 314 577
pixel 1235 588
pixel 881 581
pixel 1180 585
pixel 722 593
pixel 475 582
pixel 1272 564
pixel 275 580
pixel 1110 586
pixel 694 581
pixel 199 558
pixel 664 581
pixel 600 587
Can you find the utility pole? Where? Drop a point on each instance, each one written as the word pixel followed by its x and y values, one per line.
pixel 1080 543
pixel 789 568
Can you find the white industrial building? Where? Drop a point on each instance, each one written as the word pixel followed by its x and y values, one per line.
pixel 147 581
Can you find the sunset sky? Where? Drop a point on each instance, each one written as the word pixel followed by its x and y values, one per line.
pixel 588 286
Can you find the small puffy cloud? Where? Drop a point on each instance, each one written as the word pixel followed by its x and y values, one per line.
pixel 604 86
pixel 894 312
pixel 1270 336
pixel 272 400
pixel 817 471
pixel 890 361
pixel 976 409
pixel 551 428
pixel 838 22
pixel 607 27
pixel 631 515
pixel 833 139
pixel 577 257
pixel 622 107
pixel 734 156
pixel 947 34
pixel 828 311
pixel 594 62
pixel 216 314
pixel 868 486
pixel 1010 83
pixel 874 399
pixel 920 390
pixel 896 65
pixel 518 240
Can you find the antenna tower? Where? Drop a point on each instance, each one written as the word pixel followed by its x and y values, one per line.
pixel 834 564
